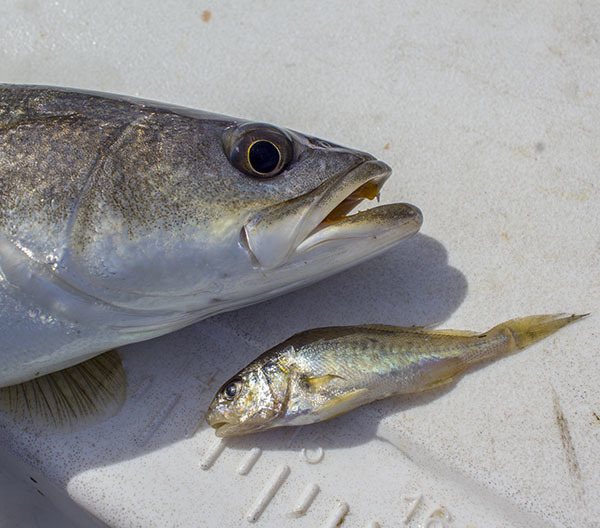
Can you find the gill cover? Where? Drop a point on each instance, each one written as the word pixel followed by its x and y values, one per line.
pixel 260 397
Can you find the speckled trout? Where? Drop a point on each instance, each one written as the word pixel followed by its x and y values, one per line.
pixel 322 373
pixel 123 219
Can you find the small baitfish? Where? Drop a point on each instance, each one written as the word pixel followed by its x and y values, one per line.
pixel 123 219
pixel 322 373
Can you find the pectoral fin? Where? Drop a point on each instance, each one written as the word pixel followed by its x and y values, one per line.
pixel 87 391
pixel 319 382
pixel 343 403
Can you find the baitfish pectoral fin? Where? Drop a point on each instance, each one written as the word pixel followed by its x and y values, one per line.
pixel 87 391
pixel 341 404
pixel 317 383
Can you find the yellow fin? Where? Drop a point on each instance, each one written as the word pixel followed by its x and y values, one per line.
pixel 87 391
pixel 384 328
pixel 445 331
pixel 420 330
pixel 528 330
pixel 444 373
pixel 319 382
pixel 343 403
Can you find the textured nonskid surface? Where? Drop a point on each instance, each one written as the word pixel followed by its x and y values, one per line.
pixel 490 118
pixel 24 507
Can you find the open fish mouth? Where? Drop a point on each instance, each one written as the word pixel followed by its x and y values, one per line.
pixel 325 216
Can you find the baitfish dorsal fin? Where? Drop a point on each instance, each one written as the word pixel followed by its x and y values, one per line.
pixel 448 332
pixel 420 330
pixel 82 393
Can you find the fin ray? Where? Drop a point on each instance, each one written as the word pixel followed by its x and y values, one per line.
pixel 420 330
pixel 341 404
pixel 318 382
pixel 528 330
pixel 84 392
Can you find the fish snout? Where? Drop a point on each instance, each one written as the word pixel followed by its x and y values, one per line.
pixel 226 426
pixel 276 232
pixel 216 419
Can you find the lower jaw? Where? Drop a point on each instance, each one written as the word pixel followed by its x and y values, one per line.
pixel 300 270
pixel 377 226
pixel 303 269
pixel 226 432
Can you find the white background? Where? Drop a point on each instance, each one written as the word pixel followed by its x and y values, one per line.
pixel 489 113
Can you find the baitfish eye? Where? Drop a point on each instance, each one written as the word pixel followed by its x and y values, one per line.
pixel 258 150
pixel 231 389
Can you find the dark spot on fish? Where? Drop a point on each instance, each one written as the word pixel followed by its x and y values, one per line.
pixel 540 147
pixel 596 416
pixel 33 480
pixel 567 442
pixel 216 300
pixel 206 15
pixel 40 492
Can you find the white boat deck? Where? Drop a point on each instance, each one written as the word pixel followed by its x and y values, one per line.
pixel 490 116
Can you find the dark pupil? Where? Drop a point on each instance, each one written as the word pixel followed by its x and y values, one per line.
pixel 263 156
pixel 230 390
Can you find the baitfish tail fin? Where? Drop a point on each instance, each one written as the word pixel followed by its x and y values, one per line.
pixel 67 398
pixel 521 333
pixel 528 330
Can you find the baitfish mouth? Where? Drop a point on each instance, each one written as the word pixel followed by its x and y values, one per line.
pixel 324 217
pixel 225 429
pixel 218 425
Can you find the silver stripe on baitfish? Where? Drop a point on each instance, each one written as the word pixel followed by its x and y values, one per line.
pixel 322 373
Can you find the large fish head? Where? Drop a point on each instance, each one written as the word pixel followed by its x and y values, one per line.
pixel 297 227
pixel 193 213
pixel 251 401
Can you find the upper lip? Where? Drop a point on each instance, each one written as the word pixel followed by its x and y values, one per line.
pixel 275 232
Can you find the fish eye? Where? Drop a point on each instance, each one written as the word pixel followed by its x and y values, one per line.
pixel 263 156
pixel 231 390
pixel 258 150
